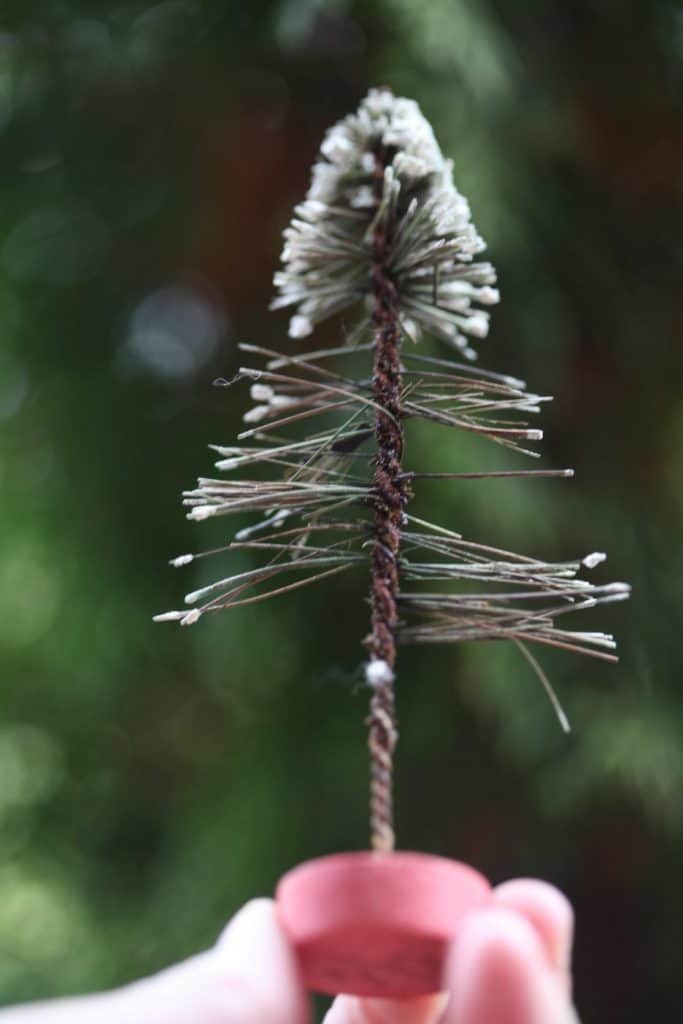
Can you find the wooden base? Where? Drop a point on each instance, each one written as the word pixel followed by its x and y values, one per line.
pixel 377 924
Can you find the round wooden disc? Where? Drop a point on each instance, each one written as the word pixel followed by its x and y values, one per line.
pixel 376 924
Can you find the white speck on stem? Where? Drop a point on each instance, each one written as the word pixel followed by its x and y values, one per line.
pixel 378 673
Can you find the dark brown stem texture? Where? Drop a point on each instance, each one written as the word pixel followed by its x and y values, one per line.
pixel 391 494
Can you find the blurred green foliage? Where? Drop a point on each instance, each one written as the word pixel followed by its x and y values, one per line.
pixel 152 779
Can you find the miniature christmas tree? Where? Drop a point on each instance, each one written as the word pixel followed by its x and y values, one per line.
pixel 384 233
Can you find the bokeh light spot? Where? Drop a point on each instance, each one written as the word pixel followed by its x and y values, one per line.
pixel 60 245
pixel 173 332
pixel 31 766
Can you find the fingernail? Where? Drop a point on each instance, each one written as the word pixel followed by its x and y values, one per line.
pixel 422 1010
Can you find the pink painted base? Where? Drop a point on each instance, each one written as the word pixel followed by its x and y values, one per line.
pixel 376 924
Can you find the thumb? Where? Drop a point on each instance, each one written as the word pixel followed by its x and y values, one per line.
pixel 250 977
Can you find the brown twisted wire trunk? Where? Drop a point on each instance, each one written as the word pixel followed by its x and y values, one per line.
pixel 391 495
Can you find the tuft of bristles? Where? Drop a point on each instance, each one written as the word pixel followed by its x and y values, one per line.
pixel 328 252
pixel 384 230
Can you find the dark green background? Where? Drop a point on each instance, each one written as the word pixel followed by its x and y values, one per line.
pixel 152 779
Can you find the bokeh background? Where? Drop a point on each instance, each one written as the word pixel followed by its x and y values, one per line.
pixel 152 779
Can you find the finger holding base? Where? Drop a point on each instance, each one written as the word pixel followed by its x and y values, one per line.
pixel 500 973
pixel 509 966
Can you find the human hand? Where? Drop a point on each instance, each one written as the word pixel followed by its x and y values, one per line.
pixel 510 966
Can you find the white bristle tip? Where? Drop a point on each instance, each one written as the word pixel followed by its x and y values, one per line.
pixel 201 512
pixel 261 392
pixel 181 560
pixel 190 618
pixel 256 414
pixel 169 617
pixel 300 327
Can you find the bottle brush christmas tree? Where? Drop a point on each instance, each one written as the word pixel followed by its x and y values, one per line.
pixel 384 236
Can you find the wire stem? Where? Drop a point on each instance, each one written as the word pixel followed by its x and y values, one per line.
pixel 392 491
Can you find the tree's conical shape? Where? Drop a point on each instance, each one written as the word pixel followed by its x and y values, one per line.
pixel 384 231
pixel 327 255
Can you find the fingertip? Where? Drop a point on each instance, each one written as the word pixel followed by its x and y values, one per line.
pixel 344 1010
pixel 549 912
pixel 260 976
pixel 503 935
pixel 257 914
pixel 498 971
